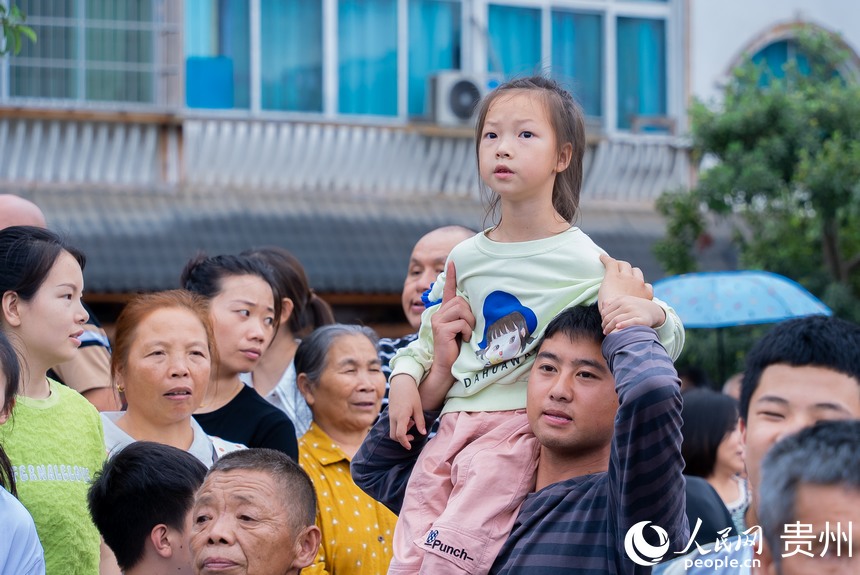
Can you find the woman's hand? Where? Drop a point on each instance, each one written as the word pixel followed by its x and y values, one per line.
pixel 625 299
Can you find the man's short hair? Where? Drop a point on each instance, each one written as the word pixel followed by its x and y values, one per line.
pixel 144 485
pixel 298 490
pixel 824 454
pixel 709 417
pixel 813 341
pixel 576 322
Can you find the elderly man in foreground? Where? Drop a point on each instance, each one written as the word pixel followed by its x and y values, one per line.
pixel 254 515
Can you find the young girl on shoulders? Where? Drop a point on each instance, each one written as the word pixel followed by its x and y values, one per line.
pixel 54 436
pixel 516 276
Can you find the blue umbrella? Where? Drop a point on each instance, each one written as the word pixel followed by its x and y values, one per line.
pixel 744 297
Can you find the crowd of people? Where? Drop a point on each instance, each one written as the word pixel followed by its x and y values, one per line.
pixel 532 422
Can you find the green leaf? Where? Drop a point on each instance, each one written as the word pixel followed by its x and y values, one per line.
pixel 29 33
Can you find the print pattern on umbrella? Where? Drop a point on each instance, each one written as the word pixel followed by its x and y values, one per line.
pixel 746 297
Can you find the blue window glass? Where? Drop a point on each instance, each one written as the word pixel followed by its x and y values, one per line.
pixel 641 69
pixel 577 57
pixel 291 55
pixel 434 46
pixel 775 56
pixel 515 40
pixel 367 57
pixel 217 50
pixel 96 50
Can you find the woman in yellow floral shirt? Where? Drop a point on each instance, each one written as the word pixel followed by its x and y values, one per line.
pixel 339 375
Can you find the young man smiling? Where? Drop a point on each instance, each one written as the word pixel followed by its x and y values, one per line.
pixel 801 372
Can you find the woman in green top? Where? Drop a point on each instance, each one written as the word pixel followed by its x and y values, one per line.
pixel 54 436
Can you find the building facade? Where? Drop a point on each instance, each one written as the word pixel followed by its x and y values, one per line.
pixel 342 129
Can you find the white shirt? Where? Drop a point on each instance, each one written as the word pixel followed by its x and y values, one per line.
pixel 20 549
pixel 204 447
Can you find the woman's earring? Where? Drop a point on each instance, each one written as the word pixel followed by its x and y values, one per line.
pixel 120 388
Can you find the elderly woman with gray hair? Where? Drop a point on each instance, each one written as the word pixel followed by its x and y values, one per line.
pixel 338 373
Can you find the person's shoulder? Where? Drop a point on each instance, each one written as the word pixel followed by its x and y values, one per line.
pixel 222 446
pixel 24 548
pixel 267 413
pixel 70 398
pixel 577 239
pixel 250 396
pixel 392 344
pixel 729 557
pixel 467 246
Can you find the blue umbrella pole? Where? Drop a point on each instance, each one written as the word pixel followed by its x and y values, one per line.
pixel 721 368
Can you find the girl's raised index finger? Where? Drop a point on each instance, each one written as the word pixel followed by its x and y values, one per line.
pixel 450 289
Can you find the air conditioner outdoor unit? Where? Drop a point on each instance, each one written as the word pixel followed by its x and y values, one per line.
pixel 454 96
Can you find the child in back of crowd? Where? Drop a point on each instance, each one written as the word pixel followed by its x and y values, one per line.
pixel 516 276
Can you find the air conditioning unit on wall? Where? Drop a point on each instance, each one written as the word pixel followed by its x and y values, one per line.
pixel 454 96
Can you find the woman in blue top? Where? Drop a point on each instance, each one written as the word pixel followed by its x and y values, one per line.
pixel 20 549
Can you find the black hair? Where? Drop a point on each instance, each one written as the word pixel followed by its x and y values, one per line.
pixel 576 322
pixel 298 490
pixel 27 254
pixel 11 373
pixel 144 485
pixel 814 341
pixel 708 418
pixel 204 275
pixel 309 310
pixel 695 376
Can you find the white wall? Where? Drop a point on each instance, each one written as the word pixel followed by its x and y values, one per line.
pixel 721 30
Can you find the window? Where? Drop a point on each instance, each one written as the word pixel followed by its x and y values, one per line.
pixel 217 54
pixel 291 55
pixel 577 57
pixel 434 46
pixel 641 70
pixel 367 57
pixel 515 40
pixel 95 50
pixel 775 56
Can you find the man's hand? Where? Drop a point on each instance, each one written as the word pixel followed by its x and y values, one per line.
pixel 452 324
pixel 625 299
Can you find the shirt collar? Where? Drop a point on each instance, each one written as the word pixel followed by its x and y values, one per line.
pixel 323 447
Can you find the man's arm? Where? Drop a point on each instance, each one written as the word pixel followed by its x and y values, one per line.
pixel 645 469
pixel 382 466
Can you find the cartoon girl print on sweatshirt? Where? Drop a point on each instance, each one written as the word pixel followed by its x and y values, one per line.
pixel 509 325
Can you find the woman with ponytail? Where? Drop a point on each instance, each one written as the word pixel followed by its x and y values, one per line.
pixel 302 311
